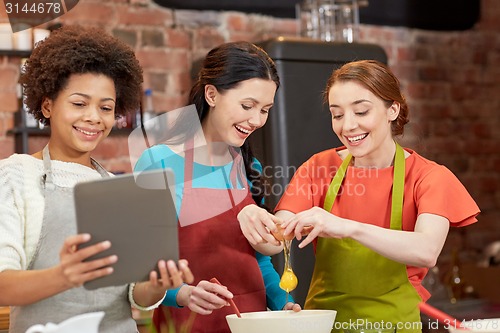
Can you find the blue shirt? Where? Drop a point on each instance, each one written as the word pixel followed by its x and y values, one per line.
pixel 205 176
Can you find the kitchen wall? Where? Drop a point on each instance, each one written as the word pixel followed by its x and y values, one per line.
pixel 451 79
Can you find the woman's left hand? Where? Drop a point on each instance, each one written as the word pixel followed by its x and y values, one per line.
pixel 171 276
pixel 256 223
pixel 292 306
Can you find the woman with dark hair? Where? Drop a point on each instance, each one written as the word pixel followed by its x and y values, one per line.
pixel 77 81
pixel 377 214
pixel 214 168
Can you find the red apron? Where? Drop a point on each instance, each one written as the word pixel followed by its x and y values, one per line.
pixel 217 248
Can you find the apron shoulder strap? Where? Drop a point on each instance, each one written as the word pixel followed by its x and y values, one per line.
pixel 331 195
pixel 397 187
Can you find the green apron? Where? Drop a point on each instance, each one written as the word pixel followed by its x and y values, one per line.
pixel 364 287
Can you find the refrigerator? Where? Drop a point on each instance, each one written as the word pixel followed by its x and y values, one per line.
pixel 299 123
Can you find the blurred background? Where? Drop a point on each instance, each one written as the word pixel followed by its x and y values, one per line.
pixel 446 54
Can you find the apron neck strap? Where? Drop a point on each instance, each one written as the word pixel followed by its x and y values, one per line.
pixel 47 165
pixel 333 190
pixel 189 166
pixel 397 188
pixel 188 162
pixel 99 168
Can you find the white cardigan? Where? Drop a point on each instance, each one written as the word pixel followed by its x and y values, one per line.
pixel 22 206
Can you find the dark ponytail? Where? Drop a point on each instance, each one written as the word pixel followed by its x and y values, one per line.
pixel 225 67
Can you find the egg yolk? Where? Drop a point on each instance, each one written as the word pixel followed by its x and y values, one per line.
pixel 288 281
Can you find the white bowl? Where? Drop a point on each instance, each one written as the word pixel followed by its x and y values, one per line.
pixel 305 321
pixel 478 326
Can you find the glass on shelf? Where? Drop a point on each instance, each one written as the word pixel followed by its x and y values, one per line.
pixel 453 279
pixel 330 20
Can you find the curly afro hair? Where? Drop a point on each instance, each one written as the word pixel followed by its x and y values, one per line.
pixel 79 50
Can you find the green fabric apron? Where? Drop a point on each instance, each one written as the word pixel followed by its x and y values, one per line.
pixel 363 286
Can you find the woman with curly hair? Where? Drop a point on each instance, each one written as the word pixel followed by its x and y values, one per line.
pixel 77 81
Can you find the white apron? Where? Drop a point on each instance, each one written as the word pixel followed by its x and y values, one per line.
pixel 59 222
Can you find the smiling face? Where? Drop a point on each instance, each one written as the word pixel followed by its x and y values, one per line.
pixel 81 116
pixel 234 114
pixel 362 121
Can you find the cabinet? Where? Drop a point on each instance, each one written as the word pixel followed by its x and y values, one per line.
pixel 421 14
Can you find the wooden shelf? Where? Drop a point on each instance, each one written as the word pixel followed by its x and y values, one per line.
pixel 22 134
pixel 121 131
pixel 15 53
pixel 32 131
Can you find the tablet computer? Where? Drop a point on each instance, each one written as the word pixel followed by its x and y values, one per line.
pixel 136 213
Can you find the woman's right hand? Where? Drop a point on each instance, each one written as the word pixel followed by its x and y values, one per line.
pixel 204 298
pixel 256 224
pixel 74 270
pixel 316 222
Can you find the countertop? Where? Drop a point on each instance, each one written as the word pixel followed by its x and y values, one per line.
pixel 4 319
pixel 467 309
pixel 143 319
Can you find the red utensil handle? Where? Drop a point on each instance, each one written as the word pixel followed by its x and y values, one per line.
pixel 235 308
pixel 442 317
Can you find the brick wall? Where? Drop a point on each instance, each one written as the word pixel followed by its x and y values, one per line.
pixel 451 79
